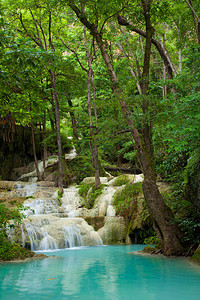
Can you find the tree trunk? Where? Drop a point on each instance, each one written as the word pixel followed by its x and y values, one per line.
pixel 60 165
pixel 73 119
pixel 34 153
pixel 44 138
pixel 93 142
pixel 161 215
pixel 196 19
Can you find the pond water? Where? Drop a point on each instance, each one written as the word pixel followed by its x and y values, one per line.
pixel 102 272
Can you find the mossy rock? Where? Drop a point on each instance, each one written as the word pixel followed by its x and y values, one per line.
pixel 122 180
pixel 9 252
pixel 113 232
pixel 89 193
pixel 96 222
pixel 7 185
pixel 148 249
pixel 196 254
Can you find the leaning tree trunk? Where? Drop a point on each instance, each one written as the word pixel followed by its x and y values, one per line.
pixel 169 234
pixel 168 231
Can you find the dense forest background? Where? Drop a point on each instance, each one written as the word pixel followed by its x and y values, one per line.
pixel 120 77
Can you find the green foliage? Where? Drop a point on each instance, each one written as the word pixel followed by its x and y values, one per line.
pixel 89 193
pixel 196 255
pixel 185 216
pixel 191 176
pixel 121 180
pixel 81 167
pixel 14 251
pixel 152 240
pixel 83 189
pixel 8 219
pixel 125 200
pixel 190 226
pixel 60 194
pixel 51 142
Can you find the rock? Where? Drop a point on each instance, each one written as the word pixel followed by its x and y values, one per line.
pixel 114 231
pixel 92 179
pixel 44 232
pixel 7 185
pixel 103 208
pixel 96 222
pixel 196 255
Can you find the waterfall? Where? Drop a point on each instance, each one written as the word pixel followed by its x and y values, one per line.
pixel 26 189
pixel 34 235
pixel 51 224
pixel 43 240
pixel 47 243
pixel 23 236
pixel 72 237
pixel 40 206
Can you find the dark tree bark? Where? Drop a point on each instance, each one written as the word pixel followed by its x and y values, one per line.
pixel 93 140
pixel 73 119
pixel 60 165
pixel 196 19
pixel 40 39
pixel 171 71
pixel 34 153
pixel 164 223
pixel 57 111
pixel 44 138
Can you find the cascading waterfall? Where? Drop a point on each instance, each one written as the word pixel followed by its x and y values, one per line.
pixel 50 226
pixel 47 243
pixel 53 224
pixel 40 206
pixel 34 235
pixel 72 237
pixel 23 236
pixel 26 190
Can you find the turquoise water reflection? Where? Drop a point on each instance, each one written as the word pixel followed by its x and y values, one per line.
pixel 108 272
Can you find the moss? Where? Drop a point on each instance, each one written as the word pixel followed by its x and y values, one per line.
pixel 130 204
pixel 12 202
pixel 96 222
pixel 121 180
pixel 89 193
pixel 148 249
pixel 196 255
pixel 125 200
pixel 14 251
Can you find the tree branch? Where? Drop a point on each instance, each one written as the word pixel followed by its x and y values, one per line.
pixel 162 51
pixel 76 55
pixel 193 11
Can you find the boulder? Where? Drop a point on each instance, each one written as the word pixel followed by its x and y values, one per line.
pixel 114 231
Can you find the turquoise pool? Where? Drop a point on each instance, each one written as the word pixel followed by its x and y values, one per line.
pixel 103 272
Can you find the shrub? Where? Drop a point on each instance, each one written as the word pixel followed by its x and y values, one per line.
pixel 89 193
pixel 8 219
pixel 152 240
pixel 81 167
